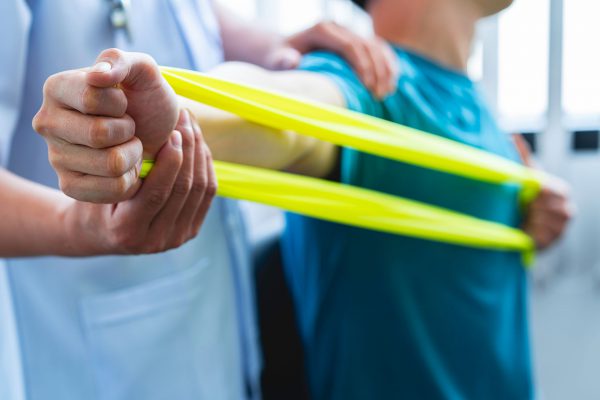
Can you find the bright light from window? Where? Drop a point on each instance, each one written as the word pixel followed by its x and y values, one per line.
pixel 475 67
pixel 582 57
pixel 243 8
pixel 523 59
pixel 297 15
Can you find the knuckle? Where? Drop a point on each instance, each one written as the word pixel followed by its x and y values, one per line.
pixel 67 185
pixel 187 133
pixel 51 85
pixel 38 123
pixel 41 122
pixel 179 241
pixel 194 231
pixel 199 186
pixel 117 164
pixel 150 62
pixel 157 197
pixel 148 66
pixel 323 27
pixel 121 186
pixel 54 156
pixel 183 186
pixel 99 133
pixel 211 188
pixel 150 249
pixel 146 248
pixel 349 47
pixel 154 247
pixel 124 128
pixel 90 100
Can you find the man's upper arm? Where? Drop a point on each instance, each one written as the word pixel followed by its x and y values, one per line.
pixel 305 83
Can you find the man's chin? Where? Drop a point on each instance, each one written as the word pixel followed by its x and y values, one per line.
pixel 491 7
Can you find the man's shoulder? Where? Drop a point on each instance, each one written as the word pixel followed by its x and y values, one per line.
pixel 325 61
pixel 335 67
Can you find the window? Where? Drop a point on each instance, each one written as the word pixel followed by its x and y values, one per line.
pixel 475 67
pixel 523 60
pixel 581 84
pixel 243 8
pixel 297 15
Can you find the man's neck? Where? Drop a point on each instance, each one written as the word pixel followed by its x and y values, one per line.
pixel 440 30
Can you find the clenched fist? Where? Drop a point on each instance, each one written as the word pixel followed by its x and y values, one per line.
pixel 167 211
pixel 100 122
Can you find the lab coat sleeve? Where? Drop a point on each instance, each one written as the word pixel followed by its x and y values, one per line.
pixel 15 20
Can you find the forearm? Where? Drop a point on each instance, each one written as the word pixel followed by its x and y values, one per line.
pixel 256 43
pixel 233 139
pixel 320 162
pixel 31 219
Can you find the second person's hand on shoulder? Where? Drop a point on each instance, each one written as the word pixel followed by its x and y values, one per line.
pixel 371 57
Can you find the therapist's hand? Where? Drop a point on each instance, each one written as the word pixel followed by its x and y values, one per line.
pixel 167 211
pixel 549 214
pixel 372 58
pixel 99 121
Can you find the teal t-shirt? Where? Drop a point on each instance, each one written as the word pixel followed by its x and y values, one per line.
pixel 391 317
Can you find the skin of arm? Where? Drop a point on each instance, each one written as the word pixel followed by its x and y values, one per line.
pixel 88 119
pixel 236 140
pixel 31 216
pixel 38 221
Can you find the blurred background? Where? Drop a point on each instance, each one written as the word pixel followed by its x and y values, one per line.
pixel 538 64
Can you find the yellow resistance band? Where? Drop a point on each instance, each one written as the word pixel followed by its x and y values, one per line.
pixel 350 205
pixel 347 128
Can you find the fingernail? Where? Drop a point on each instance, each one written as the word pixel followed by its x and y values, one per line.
pixel 187 119
pixel 101 67
pixel 287 63
pixel 176 140
pixel 290 60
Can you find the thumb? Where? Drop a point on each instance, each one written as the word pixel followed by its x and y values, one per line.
pixel 284 58
pixel 156 189
pixel 132 71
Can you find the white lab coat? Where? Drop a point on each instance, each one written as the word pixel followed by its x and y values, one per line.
pixel 177 325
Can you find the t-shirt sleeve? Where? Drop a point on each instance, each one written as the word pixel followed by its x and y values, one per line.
pixel 357 96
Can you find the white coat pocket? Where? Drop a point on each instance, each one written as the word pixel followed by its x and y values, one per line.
pixel 158 340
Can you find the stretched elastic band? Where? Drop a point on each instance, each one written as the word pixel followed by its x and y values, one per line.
pixel 351 205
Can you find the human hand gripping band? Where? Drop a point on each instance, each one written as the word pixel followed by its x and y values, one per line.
pixel 351 205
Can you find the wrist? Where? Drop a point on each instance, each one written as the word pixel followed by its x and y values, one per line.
pixel 66 229
pixel 75 231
